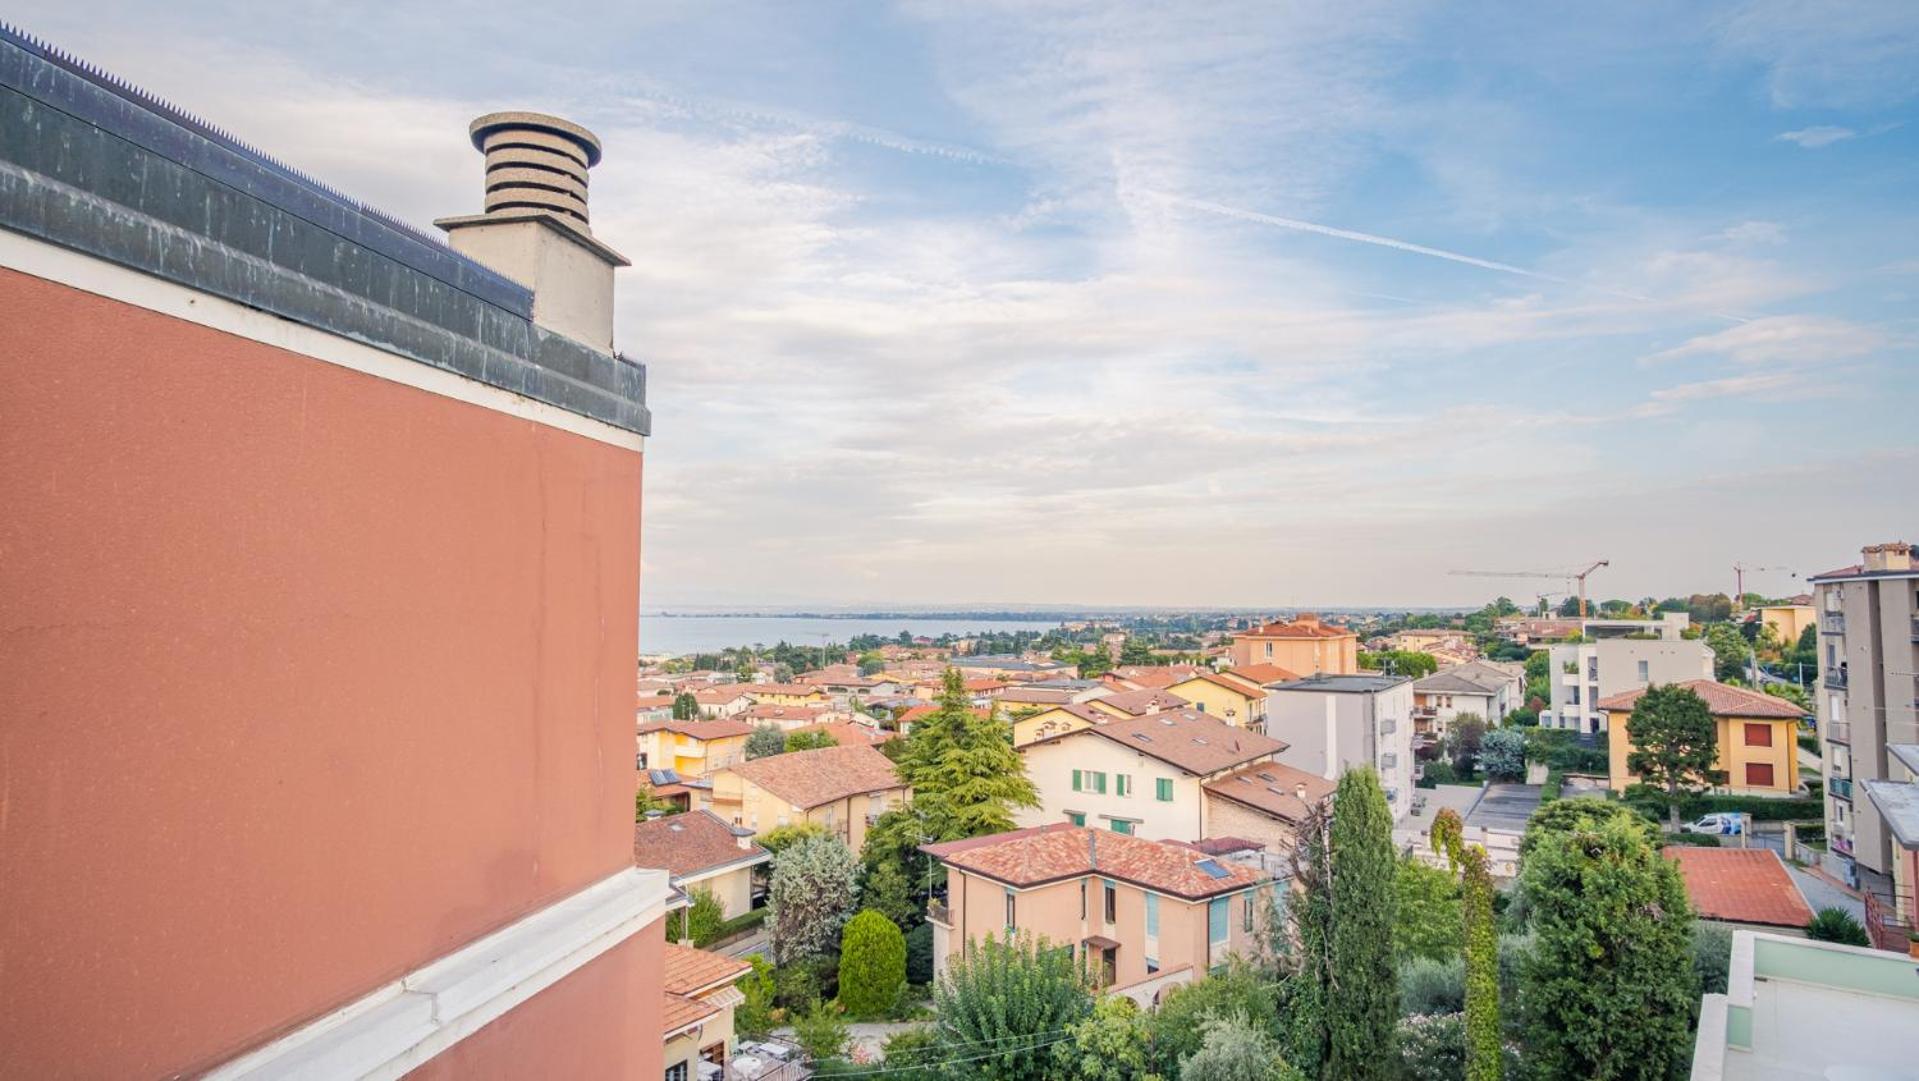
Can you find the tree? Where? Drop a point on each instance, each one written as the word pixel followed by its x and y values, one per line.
pixel 1235 1049
pixel 1608 985
pixel 1401 662
pixel 1363 1004
pixel 872 965
pixel 1572 815
pixel 822 1032
pixel 1484 1053
pixel 764 742
pixel 1137 651
pixel 779 838
pixel 1791 692
pixel 700 921
pixel 1428 922
pixel 885 889
pixel 1008 996
pixel 685 706
pixel 644 800
pixel 1464 739
pixel 965 775
pixel 1311 916
pixel 813 891
pixel 1730 651
pixel 1448 834
pixel 1112 1044
pixel 1675 744
pixel 1179 1023
pixel 810 741
pixel 754 1018
pixel 1836 925
pixel 1503 755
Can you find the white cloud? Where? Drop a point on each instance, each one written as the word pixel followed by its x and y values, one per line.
pixel 1817 136
pixel 1755 232
pixel 1783 339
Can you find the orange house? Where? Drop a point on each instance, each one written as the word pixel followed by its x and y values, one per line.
pixel 1758 737
pixel 1305 645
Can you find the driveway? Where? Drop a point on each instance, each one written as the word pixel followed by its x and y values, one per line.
pixel 1820 893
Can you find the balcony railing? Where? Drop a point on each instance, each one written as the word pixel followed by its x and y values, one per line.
pixel 1841 787
pixel 1839 731
pixel 937 912
pixel 1836 678
pixel 1833 623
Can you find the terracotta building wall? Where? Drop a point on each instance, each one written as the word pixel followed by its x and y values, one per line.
pixel 308 678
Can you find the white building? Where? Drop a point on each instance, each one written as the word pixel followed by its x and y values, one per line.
pixel 1333 723
pixel 1581 673
pixel 1481 688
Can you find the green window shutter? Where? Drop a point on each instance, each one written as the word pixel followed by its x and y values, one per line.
pixel 1077 781
pixel 1120 825
pixel 1124 781
pixel 1077 818
pixel 1163 789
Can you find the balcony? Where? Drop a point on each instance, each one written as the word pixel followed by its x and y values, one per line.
pixel 937 912
pixel 1836 678
pixel 1832 623
pixel 1839 731
pixel 1840 787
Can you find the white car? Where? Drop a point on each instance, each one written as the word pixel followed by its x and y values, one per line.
pixel 1724 824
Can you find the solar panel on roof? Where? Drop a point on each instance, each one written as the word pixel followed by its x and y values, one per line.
pixel 1212 868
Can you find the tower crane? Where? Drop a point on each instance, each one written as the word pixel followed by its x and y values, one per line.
pixel 1739 583
pixel 1568 576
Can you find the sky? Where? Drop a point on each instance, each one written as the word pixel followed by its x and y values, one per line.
pixel 1232 304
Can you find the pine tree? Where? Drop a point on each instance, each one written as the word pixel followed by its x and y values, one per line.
pixel 685 706
pixel 1675 745
pixel 965 775
pixel 1483 1051
pixel 1363 992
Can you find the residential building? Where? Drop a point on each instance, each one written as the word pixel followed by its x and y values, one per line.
pixel 1527 630
pixel 841 788
pixel 1139 775
pixel 1896 801
pixel 702 852
pixel 1582 673
pixel 1149 677
pixel 692 748
pixel 1757 734
pixel 1869 695
pixel 1795 1008
pixel 1333 723
pixel 321 571
pixel 1056 721
pixel 1026 697
pixel 1787 621
pixel 1477 688
pixel 1435 641
pixel 789 718
pixel 1137 703
pixel 1000 666
pixel 1668 626
pixel 1262 674
pixel 726 700
pixel 1741 887
pixel 1142 915
pixel 1266 802
pixel 701 994
pixel 1303 645
pixel 847 733
pixel 1239 702
pixel 786 694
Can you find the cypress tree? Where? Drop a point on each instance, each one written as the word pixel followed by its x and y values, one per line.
pixel 1483 1061
pixel 1362 1008
pixel 1311 915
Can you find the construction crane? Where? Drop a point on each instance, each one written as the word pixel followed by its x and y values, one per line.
pixel 1566 576
pixel 1739 579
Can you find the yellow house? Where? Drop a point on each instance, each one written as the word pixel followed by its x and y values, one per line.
pixel 843 789
pixel 1788 621
pixel 697 1023
pixel 1056 721
pixel 1757 735
pixel 1304 645
pixel 1239 702
pixel 701 852
pixel 1126 704
pixel 786 694
pixel 692 748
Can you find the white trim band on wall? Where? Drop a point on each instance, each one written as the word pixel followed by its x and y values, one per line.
pixel 89 274
pixel 401 1026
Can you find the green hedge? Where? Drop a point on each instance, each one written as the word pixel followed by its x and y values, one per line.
pixel 1561 749
pixel 1760 808
pixel 1695 840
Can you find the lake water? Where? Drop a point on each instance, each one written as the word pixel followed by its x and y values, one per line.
pixel 692 634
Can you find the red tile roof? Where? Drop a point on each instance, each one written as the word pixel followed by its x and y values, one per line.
pixel 689 843
pixel 848 733
pixel 1273 788
pixel 811 778
pixel 718 696
pixel 1199 743
pixel 715 729
pixel 1740 885
pixel 1151 676
pixel 689 971
pixel 1304 625
pixel 682 1013
pixel 1722 700
pixel 1137 703
pixel 1032 857
pixel 801 689
pixel 762 711
pixel 1237 686
pixel 1263 674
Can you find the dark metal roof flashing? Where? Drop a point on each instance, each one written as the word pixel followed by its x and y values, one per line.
pixel 92 163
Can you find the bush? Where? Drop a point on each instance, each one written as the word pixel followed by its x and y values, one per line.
pixel 1438 772
pixel 1559 748
pixel 1691 840
pixel 765 742
pixel 1711 956
pixel 1433 1046
pixel 872 965
pixel 909 1048
pixel 779 838
pixel 1762 809
pixel 745 921
pixel 754 1018
pixel 1429 986
pixel 919 954
pixel 798 986
pixel 821 1032
pixel 1809 743
pixel 1503 755
pixel 1237 1048
pixel 1836 925
pixel 700 921
pixel 1179 1022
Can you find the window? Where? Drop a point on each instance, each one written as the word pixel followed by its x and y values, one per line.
pixel 1112 903
pixel 1218 920
pixel 1152 915
pixel 1163 789
pixel 1079 781
pixel 1201 706
pixel 1010 921
pixel 1123 783
pixel 1645 672
pixel 1099 781
pixel 1122 825
pixel 676 1072
pixel 1082 898
pixel 1246 922
pixel 1269 649
pixel 1759 735
pixel 1759 775
pixel 1077 818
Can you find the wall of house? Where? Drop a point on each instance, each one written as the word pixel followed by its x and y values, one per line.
pixel 1298 717
pixel 1051 766
pixel 1733 755
pixel 1788 621
pixel 1209 697
pixel 1046 723
pixel 311 677
pixel 1616 661
pixel 1230 818
pixel 733 889
pixel 1306 656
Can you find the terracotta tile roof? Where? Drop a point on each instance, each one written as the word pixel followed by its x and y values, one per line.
pixel 689 971
pixel 1740 885
pixel 762 711
pixel 1036 696
pixel 977 685
pixel 848 733
pixel 718 696
pixel 682 1013
pixel 1237 686
pixel 1199 743
pixel 1151 677
pixel 714 729
pixel 1304 625
pixel 916 712
pixel 1722 700
pixel 1031 857
pixel 811 778
pixel 1139 703
pixel 1081 710
pixel 1273 788
pixel 780 688
pixel 688 843
pixel 1263 674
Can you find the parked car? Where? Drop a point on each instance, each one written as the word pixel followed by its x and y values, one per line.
pixel 1724 824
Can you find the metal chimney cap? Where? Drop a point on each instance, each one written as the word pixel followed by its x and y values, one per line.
pixel 484 126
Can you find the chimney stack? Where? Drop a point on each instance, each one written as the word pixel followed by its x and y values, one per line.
pixel 536 229
pixel 1299 791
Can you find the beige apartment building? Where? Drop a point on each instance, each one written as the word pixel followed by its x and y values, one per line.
pixel 1868 691
pixel 1143 915
pixel 1306 645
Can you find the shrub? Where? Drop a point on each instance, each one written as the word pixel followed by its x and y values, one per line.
pixel 1438 772
pixel 754 1018
pixel 765 742
pixel 911 1054
pixel 872 965
pixel 1234 1048
pixel 701 921
pixel 1711 956
pixel 1836 925
pixel 821 1032
pixel 1503 755
pixel 1178 1025
pixel 1432 1046
pixel 1432 986
pixel 811 896
pixel 779 838
pixel 919 954
pixel 1007 995
pixel 1693 840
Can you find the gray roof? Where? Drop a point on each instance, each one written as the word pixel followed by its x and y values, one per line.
pixel 1898 804
pixel 1447 681
pixel 1369 684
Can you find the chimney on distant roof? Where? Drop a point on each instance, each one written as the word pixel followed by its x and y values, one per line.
pixel 536 229
pixel 1299 790
pixel 1891 556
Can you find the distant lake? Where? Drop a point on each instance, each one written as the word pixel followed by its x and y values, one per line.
pixel 696 634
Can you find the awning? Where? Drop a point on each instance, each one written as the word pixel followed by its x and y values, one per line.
pixel 1099 942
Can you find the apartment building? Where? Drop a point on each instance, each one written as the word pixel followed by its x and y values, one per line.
pixel 1306 644
pixel 691 749
pixel 321 571
pixel 1333 723
pixel 1485 689
pixel 1757 736
pixel 1142 915
pixel 1582 673
pixel 1868 697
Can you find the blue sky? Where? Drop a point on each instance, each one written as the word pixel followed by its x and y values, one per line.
pixel 1249 304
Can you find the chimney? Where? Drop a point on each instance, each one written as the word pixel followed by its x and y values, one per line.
pixel 1891 556
pixel 1299 791
pixel 536 229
